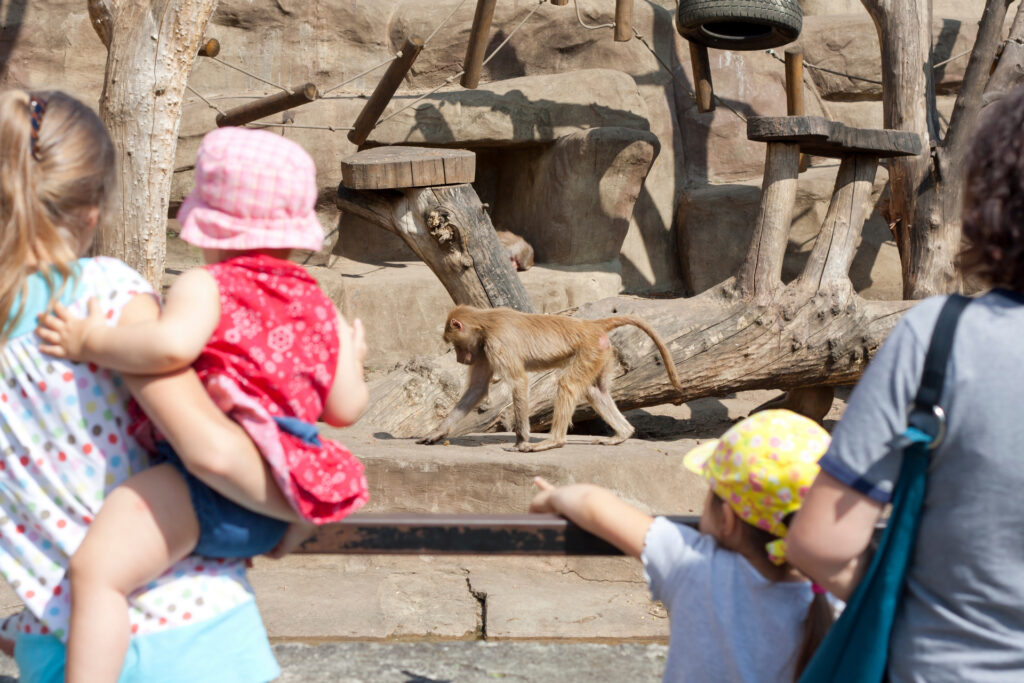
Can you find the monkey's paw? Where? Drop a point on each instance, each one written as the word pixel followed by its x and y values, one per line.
pixel 432 438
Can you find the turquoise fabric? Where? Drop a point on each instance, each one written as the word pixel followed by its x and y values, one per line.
pixel 231 648
pixel 38 298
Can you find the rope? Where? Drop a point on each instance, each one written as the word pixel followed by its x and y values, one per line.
pixel 685 86
pixel 947 61
pixel 251 75
pixel 451 78
pixel 208 102
pixel 821 68
pixel 576 4
pixel 333 129
pixel 360 75
pixel 443 22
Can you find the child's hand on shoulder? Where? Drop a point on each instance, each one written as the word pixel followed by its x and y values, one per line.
pixel 66 335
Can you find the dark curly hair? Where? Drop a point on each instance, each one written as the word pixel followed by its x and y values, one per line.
pixel 993 217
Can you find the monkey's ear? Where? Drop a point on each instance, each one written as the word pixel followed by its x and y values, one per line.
pixel 456 325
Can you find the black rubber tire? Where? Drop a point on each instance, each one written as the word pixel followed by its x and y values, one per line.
pixel 739 24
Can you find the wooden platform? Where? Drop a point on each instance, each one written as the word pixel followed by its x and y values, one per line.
pixel 397 167
pixel 822 137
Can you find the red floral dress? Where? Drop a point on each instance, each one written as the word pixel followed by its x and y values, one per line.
pixel 273 355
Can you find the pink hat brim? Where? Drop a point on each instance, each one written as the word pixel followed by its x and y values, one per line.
pixel 208 228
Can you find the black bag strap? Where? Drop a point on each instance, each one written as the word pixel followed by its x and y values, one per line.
pixel 925 413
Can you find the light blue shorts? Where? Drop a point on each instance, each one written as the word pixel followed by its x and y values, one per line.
pixel 231 648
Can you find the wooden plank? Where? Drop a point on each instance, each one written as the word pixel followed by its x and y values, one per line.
pixel 402 166
pixel 822 137
pixel 460 534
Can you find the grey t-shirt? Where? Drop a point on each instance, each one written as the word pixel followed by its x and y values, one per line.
pixel 728 622
pixel 962 617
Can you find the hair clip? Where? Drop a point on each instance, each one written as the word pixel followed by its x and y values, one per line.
pixel 36 108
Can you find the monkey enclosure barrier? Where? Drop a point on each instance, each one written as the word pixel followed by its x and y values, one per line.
pixel 440 534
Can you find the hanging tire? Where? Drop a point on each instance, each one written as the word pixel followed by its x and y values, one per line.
pixel 739 24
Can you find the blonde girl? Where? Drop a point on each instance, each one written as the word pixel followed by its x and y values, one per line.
pixel 64 442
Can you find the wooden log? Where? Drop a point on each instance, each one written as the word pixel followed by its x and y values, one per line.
pixel 559 3
pixel 761 272
pixel 384 91
pixel 449 230
pixel 834 247
pixel 702 87
pixel 623 20
pixel 209 48
pixel 266 106
pixel 401 166
pixel 473 63
pixel 795 89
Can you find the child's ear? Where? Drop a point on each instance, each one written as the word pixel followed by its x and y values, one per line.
pixel 730 520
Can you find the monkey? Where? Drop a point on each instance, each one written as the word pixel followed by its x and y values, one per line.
pixel 506 343
pixel 519 250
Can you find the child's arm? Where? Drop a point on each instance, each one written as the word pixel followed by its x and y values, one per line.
pixel 173 341
pixel 349 395
pixel 597 510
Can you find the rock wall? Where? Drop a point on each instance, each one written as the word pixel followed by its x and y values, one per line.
pixel 583 144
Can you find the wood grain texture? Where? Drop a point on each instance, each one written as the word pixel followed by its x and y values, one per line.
pixel 397 167
pixel 822 137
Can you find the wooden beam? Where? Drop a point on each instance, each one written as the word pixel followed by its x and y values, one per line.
pixel 265 106
pixel 701 66
pixel 384 91
pixel 623 20
pixel 474 62
pixel 795 89
pixel 822 137
pixel 209 48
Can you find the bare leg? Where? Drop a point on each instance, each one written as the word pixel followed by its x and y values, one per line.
pixel 600 397
pixel 210 444
pixel 145 525
pixel 521 408
pixel 295 535
pixel 565 405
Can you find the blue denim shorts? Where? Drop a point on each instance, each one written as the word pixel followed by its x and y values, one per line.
pixel 226 529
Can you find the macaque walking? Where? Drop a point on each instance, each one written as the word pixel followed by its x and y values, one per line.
pixel 507 344
pixel 519 250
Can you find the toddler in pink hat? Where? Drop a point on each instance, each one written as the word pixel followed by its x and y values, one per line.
pixel 273 352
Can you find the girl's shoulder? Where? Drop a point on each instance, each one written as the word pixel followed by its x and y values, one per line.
pixel 105 275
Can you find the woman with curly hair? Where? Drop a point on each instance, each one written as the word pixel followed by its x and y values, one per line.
pixel 962 612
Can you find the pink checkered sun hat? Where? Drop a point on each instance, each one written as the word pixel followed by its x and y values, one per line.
pixel 254 190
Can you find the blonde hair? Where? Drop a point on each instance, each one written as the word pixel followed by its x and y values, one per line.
pixel 47 189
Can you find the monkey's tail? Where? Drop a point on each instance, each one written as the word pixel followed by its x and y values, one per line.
pixel 610 324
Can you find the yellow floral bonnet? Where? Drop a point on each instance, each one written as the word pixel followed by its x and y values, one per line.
pixel 762 467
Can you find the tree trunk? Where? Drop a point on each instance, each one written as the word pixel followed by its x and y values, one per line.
pixel 925 190
pixel 449 230
pixel 151 47
pixel 1009 72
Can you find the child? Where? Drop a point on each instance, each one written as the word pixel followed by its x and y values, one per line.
pixel 271 350
pixel 738 610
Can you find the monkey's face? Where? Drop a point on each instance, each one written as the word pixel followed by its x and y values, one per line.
pixel 466 343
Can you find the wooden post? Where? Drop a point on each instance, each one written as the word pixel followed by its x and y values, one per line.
pixel 209 48
pixel 265 106
pixel 477 43
pixel 623 20
pixel 560 3
pixel 702 77
pixel 795 89
pixel 385 90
